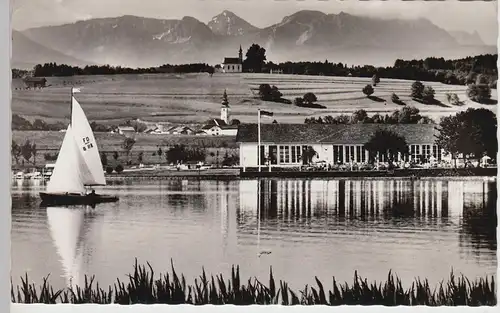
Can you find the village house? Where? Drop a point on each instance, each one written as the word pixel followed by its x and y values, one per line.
pixel 283 144
pixel 179 130
pixel 35 82
pixel 126 130
pixel 233 65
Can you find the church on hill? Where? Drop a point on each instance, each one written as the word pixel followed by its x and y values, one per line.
pixel 233 65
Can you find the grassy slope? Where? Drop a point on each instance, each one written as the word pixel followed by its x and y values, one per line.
pixel 193 98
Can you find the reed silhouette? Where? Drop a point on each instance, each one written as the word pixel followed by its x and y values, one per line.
pixel 169 288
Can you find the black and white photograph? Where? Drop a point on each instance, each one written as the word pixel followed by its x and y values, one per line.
pixel 254 152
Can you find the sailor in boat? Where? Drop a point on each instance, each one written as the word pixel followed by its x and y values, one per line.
pixel 92 193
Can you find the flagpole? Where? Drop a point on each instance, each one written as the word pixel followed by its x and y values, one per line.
pixel 258 139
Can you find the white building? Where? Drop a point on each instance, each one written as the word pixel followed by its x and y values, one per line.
pixel 220 126
pixel 284 144
pixel 233 65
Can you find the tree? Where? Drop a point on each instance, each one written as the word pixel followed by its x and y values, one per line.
pixel 181 154
pixel 255 59
pixel 138 126
pixel 39 124
pixel 449 135
pixel 428 94
pixel 308 154
pixel 359 116
pixel 15 151
pixel 387 143
pixel 453 99
pixel 104 159
pixel 119 168
pixel 27 150
pixel 470 133
pixel 310 98
pixel 368 90
pixel 299 101
pixel 394 98
pixel 268 93
pixel 375 80
pixel 159 152
pixel 127 145
pixel 470 78
pixel 417 89
pixel 235 122
pixel 482 79
pixel 478 93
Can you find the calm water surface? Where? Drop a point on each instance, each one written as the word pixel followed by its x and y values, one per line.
pixel 323 228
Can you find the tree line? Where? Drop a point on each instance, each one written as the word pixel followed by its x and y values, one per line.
pixel 407 115
pixel 452 72
pixel 61 70
pixel 20 123
pixel 470 134
pixel 456 72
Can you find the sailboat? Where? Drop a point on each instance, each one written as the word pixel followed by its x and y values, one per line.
pixel 78 165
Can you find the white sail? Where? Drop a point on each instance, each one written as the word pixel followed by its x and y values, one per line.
pixel 92 173
pixel 66 230
pixel 67 174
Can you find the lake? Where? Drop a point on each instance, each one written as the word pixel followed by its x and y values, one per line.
pixel 329 227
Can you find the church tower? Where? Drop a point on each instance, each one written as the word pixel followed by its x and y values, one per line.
pixel 241 55
pixel 224 110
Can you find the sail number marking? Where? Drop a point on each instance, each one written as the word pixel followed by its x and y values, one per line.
pixel 87 144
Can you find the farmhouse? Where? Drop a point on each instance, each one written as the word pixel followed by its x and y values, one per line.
pixel 179 130
pixel 126 130
pixel 284 144
pixel 35 82
pixel 233 65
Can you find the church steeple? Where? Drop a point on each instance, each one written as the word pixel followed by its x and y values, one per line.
pixel 241 55
pixel 224 102
pixel 224 110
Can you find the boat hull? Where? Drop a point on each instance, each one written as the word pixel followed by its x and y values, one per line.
pixel 50 199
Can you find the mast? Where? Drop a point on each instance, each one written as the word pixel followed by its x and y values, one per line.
pixel 71 108
pixel 258 139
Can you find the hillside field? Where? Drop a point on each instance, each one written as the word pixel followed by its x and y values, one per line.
pixel 194 98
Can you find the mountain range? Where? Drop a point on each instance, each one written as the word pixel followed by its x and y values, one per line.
pixel 304 36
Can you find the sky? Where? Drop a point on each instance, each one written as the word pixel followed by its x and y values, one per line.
pixel 480 16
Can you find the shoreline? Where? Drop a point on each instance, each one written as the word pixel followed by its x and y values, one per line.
pixel 236 173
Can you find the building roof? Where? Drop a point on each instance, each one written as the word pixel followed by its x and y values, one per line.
pixel 209 126
pixel 35 79
pixel 232 61
pixel 333 134
pixel 126 128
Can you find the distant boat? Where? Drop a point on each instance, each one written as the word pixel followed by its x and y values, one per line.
pixel 78 165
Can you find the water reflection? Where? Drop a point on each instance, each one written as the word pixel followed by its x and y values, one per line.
pixel 68 227
pixel 470 204
pixel 325 227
